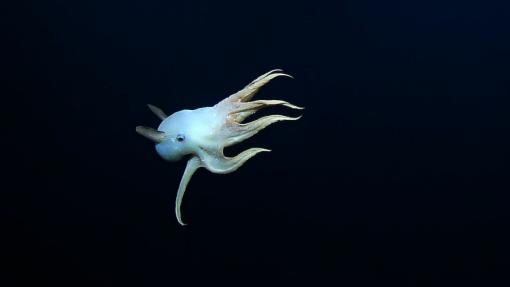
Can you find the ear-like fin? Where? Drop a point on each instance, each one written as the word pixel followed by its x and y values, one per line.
pixel 152 134
pixel 193 164
pixel 157 111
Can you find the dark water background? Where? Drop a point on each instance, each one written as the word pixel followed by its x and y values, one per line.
pixel 396 175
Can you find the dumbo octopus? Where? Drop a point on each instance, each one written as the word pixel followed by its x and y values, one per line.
pixel 204 132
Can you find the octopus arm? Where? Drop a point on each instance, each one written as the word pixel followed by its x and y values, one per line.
pixel 193 164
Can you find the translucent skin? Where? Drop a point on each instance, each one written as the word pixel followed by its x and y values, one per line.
pixel 203 133
pixel 197 127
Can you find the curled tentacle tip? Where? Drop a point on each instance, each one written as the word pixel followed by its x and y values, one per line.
pixel 294 118
pixel 179 218
pixel 295 107
pixel 276 73
pixel 282 74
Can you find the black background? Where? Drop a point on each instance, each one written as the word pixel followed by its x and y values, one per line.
pixel 397 173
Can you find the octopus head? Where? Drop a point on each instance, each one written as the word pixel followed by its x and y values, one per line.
pixel 176 143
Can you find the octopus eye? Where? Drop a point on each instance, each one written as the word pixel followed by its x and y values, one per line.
pixel 180 138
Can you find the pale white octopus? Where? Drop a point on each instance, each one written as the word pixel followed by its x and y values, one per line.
pixel 204 132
